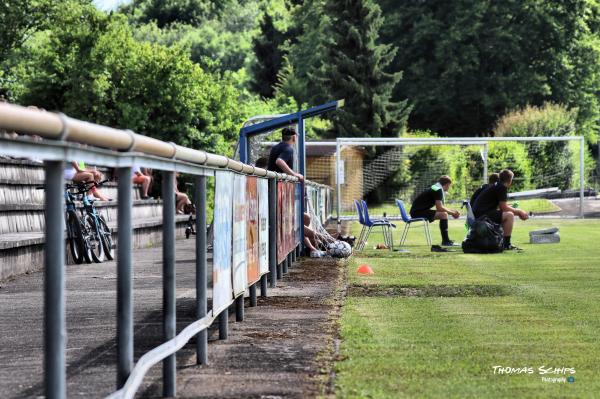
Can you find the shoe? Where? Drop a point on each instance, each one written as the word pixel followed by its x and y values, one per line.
pixel 147 197
pixel 317 254
pixel 450 243
pixel 437 248
pixel 511 248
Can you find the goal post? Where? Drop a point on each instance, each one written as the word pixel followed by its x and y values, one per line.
pixel 531 147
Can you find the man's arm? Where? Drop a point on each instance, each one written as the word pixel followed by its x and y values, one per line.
pixel 504 207
pixel 284 166
pixel 439 207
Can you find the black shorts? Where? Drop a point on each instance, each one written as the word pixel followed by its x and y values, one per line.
pixel 428 214
pixel 495 216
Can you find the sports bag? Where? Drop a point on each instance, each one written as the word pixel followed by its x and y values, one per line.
pixel 484 237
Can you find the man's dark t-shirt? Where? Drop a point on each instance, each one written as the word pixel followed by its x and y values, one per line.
pixel 284 151
pixel 489 199
pixel 477 192
pixel 426 200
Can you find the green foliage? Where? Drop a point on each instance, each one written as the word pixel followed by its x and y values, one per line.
pixel 269 57
pixel 514 156
pixel 465 63
pixel 353 68
pixel 89 66
pixel 553 161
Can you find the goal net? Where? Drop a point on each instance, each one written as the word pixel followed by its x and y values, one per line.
pixel 547 172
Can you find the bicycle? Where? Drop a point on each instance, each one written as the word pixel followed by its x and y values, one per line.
pixel 88 235
pixel 101 235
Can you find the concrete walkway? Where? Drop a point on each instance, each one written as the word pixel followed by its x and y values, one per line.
pixel 273 353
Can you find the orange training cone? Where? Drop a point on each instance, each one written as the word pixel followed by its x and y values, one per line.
pixel 365 269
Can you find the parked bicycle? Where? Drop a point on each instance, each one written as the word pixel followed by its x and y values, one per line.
pixel 88 236
pixel 100 234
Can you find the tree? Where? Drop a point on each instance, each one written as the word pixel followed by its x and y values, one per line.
pixel 354 68
pixel 269 57
pixel 90 67
pixel 467 63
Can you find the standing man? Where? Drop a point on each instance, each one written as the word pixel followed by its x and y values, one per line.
pixel 434 195
pixel 281 157
pixel 492 202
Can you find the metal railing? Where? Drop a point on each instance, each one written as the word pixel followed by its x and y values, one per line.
pixel 71 139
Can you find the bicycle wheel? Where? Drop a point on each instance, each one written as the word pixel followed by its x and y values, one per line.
pixel 84 237
pixel 94 239
pixel 107 240
pixel 74 238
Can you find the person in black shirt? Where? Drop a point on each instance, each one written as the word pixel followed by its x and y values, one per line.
pixel 493 179
pixel 281 157
pixel 492 202
pixel 434 196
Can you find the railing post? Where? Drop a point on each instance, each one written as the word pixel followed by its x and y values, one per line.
pixel 201 269
pixel 253 295
pixel 239 308
pixel 169 326
pixel 263 286
pixel 224 323
pixel 54 284
pixel 280 270
pixel 286 264
pixel 124 278
pixel 273 269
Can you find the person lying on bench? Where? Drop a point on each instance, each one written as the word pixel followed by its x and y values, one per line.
pixel 434 195
pixel 492 202
pixel 493 179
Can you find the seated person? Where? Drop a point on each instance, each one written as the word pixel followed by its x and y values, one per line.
pixel 434 196
pixel 310 239
pixel 141 179
pixel 493 179
pixel 182 200
pixel 78 173
pixel 492 202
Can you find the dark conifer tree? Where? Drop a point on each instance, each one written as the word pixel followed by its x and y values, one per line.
pixel 269 57
pixel 355 68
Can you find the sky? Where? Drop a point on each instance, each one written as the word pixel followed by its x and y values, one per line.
pixel 109 4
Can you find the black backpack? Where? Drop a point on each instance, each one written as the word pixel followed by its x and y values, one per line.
pixel 484 237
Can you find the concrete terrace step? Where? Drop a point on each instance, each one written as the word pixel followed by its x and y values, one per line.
pixel 23 252
pixel 24 170
pixel 30 217
pixel 17 192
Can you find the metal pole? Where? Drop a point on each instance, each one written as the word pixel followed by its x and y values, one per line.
pixel 55 330
pixel 280 270
pixel 302 167
pixel 485 162
pixel 253 295
pixel 124 278
pixel 169 325
pixel 338 191
pixel 581 175
pixel 273 231
pixel 201 269
pixel 224 323
pixel 239 308
pixel 263 286
pixel 286 264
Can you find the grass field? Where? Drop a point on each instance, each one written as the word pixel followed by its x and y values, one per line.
pixel 431 325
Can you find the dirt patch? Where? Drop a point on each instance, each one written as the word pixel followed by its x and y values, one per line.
pixel 469 290
pixel 286 346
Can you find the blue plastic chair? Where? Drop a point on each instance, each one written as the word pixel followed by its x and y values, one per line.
pixel 408 221
pixel 370 223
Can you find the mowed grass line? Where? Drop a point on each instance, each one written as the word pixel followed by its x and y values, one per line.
pixel 405 346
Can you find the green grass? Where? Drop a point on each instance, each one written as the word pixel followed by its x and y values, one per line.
pixel 537 205
pixel 434 325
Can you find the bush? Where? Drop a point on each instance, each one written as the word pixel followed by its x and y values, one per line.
pixel 552 161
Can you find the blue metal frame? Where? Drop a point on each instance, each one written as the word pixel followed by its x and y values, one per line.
pixel 280 122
